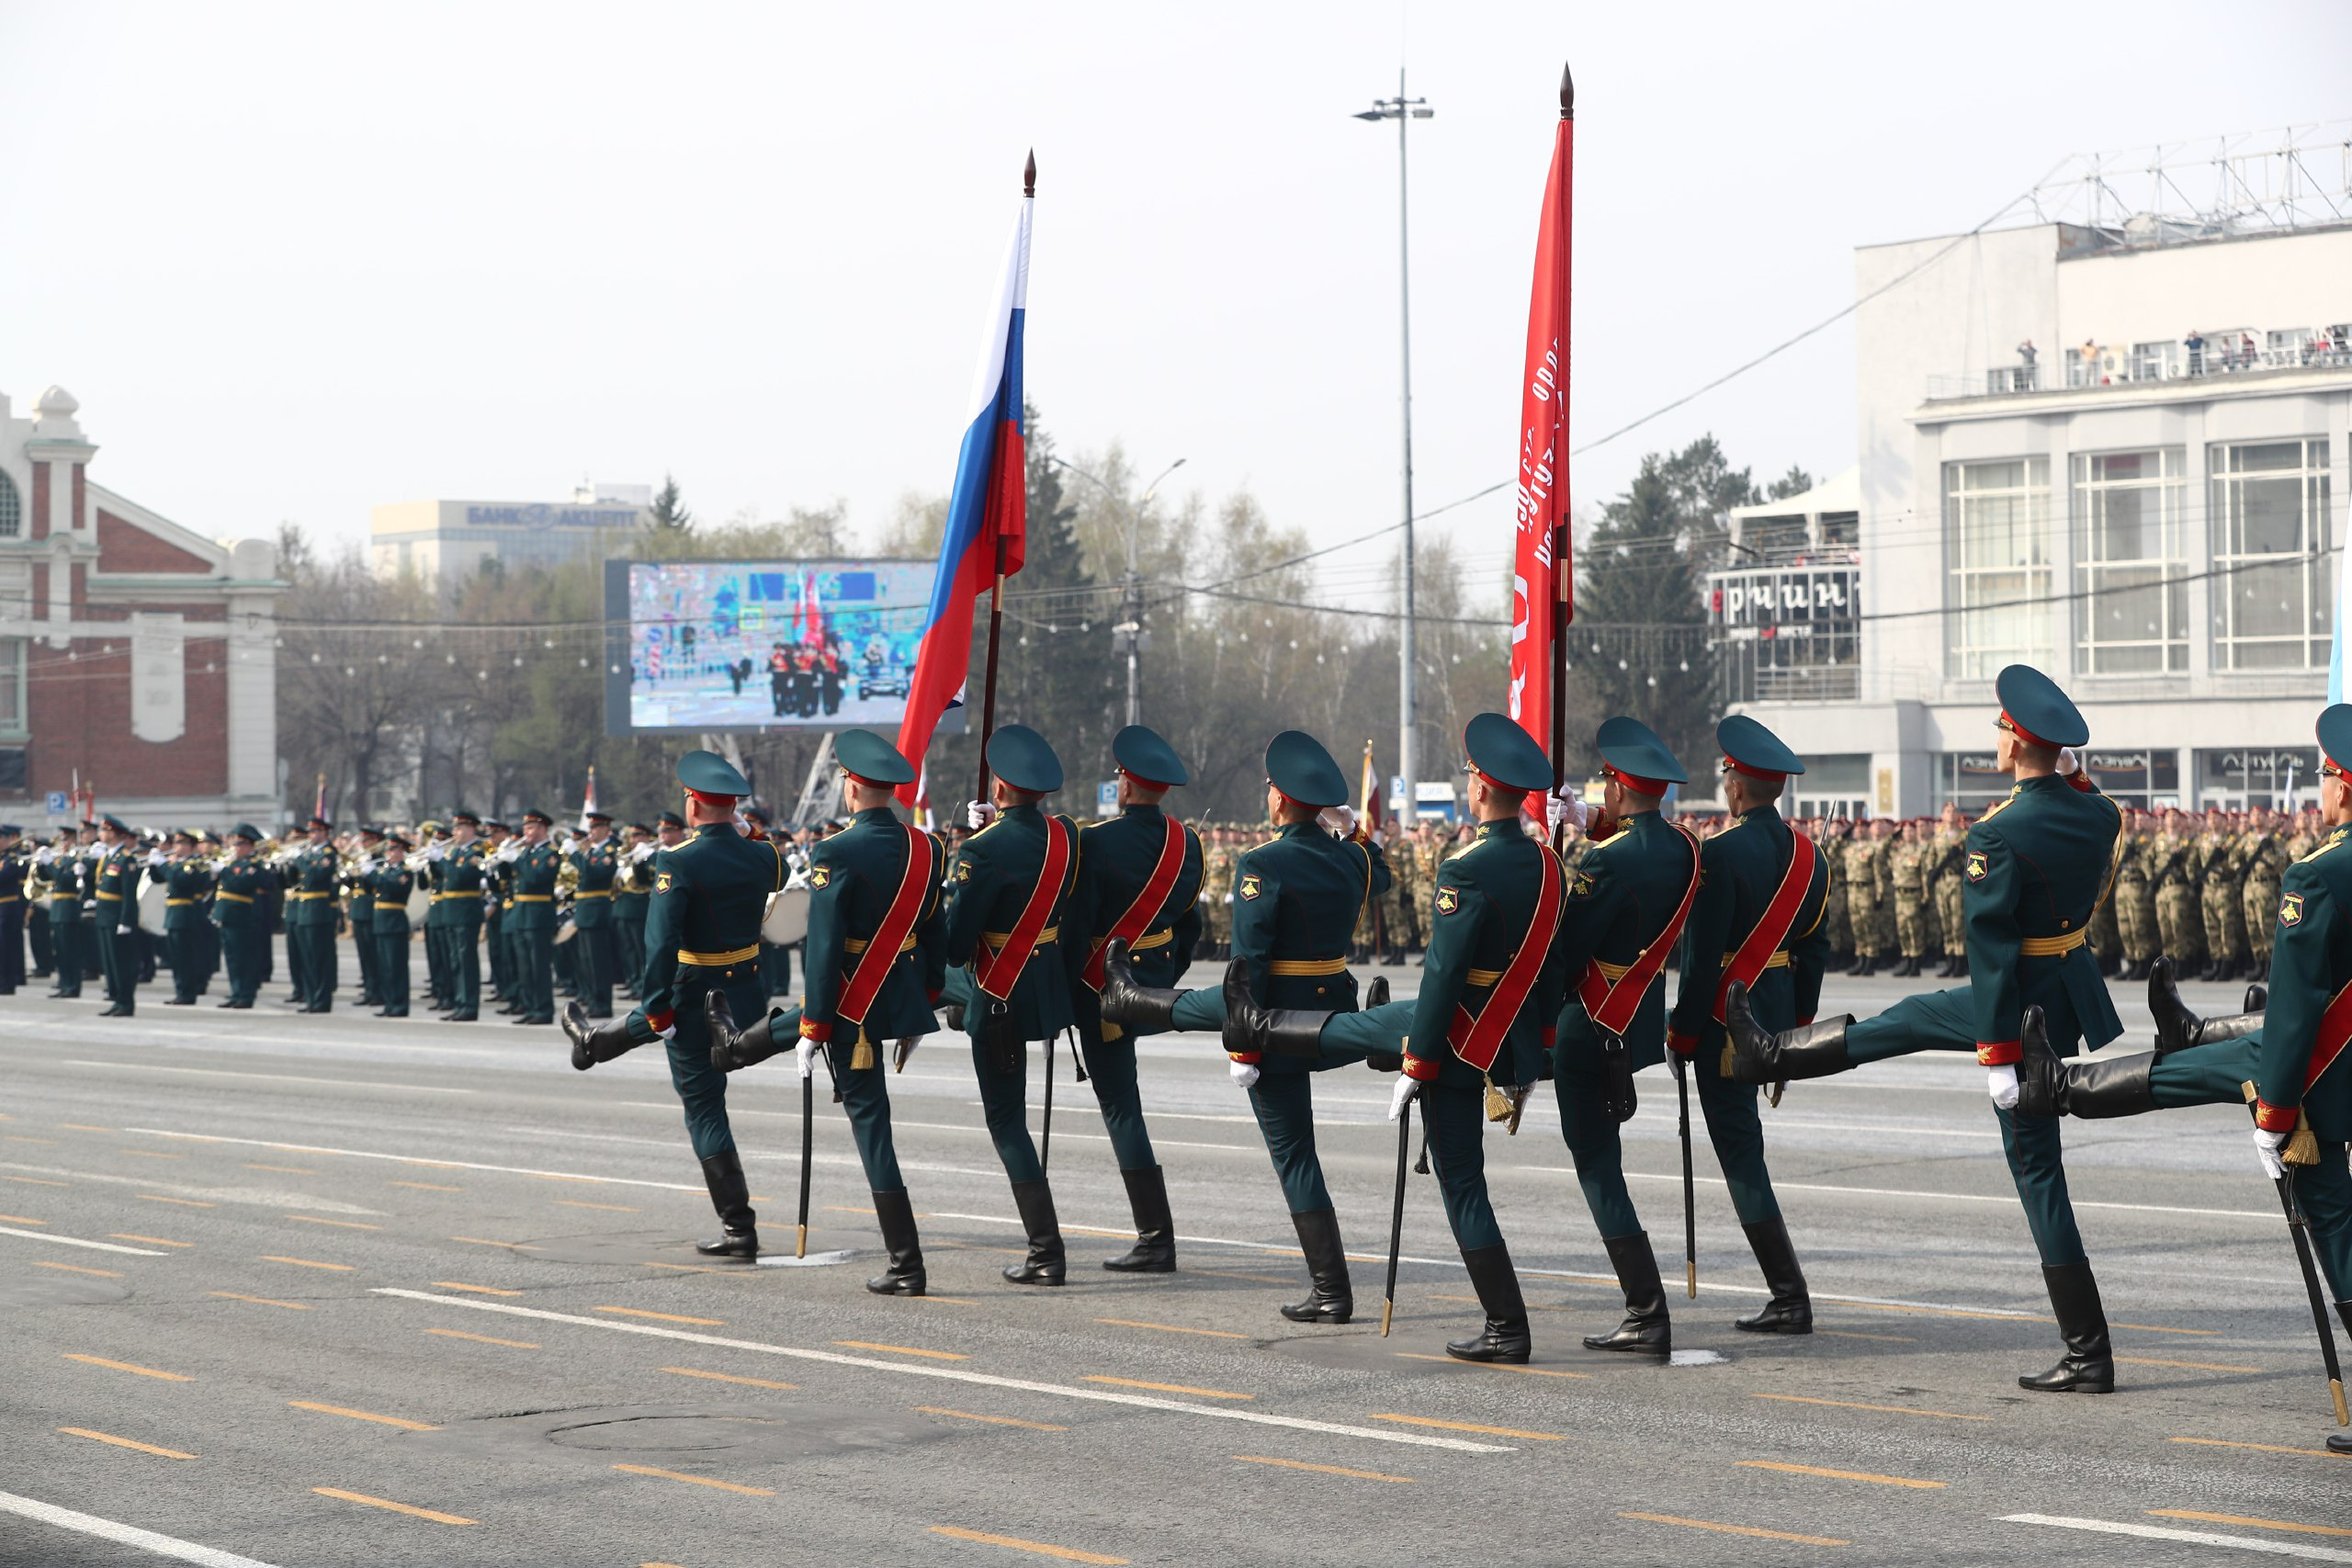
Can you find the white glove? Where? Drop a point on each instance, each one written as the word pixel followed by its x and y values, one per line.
pixel 2267 1148
pixel 1565 807
pixel 1244 1072
pixel 2068 763
pixel 2001 1083
pixel 640 854
pixel 807 1052
pixel 978 814
pixel 435 851
pixel 1408 1090
pixel 155 857
pixel 511 853
pixel 1340 819
pixel 669 1034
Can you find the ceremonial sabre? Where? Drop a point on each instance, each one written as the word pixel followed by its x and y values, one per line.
pixel 1690 1188
pixel 807 1158
pixel 2298 1226
pixel 1396 1217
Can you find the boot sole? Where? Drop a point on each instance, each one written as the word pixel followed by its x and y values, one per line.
pixel 1116 1267
pixel 1651 1352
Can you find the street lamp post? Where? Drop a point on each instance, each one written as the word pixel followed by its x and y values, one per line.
pixel 1404 111
pixel 1129 631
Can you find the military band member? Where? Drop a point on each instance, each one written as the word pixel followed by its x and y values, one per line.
pixel 1138 882
pixel 359 909
pixel 114 898
pixel 238 912
pixel 2037 864
pixel 875 963
pixel 187 883
pixel 632 887
pixel 497 906
pixel 702 934
pixel 68 880
pixel 309 918
pixel 1754 930
pixel 533 865
pixel 386 889
pixel 595 860
pixel 460 880
pixel 15 862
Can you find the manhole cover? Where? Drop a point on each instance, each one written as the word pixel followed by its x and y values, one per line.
pixel 765 1428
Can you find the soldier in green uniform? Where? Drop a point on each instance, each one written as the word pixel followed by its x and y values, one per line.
pixel 62 861
pixel 632 888
pixel 497 911
pixel 1946 884
pixel 460 881
pixel 187 882
pixel 1295 898
pixel 359 909
pixel 237 912
pixel 1011 886
pixel 115 898
pixel 877 872
pixel 2037 864
pixel 386 889
pixel 533 865
pixel 1139 881
pixel 596 861
pixel 310 916
pixel 15 862
pixel 702 935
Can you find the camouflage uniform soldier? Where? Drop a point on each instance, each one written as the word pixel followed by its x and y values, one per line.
pixel 2180 928
pixel 2105 928
pixel 2218 900
pixel 1834 922
pixel 2264 847
pixel 1217 890
pixel 1884 831
pixel 1945 884
pixel 1859 864
pixel 1907 880
pixel 2134 899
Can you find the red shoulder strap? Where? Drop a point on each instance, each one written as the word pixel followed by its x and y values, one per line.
pixel 1611 1008
pixel 882 951
pixel 1778 915
pixel 1479 1040
pixel 2335 1034
pixel 1155 888
pixel 1002 972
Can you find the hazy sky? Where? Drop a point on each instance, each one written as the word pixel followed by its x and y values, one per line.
pixel 296 260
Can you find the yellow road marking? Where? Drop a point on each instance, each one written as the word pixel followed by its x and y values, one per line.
pixel 284 1169
pixel 149 1154
pixel 183 1203
pixel 2155 1328
pixel 478 1289
pixel 695 1480
pixel 2250 1523
pixel 991 1420
pixel 846 1209
pixel 903 1350
pixel 1323 1469
pixel 1468 1427
pixel 2191 1366
pixel 608 1207
pixel 306 1263
pixel 404 1425
pixel 2009 1316
pixel 262 1301
pixel 1838 1474
pixel 1850 1334
pixel 933 1296
pixel 1738 1530
pixel 123 1442
pixel 1170 1388
pixel 660 1316
pixel 1171 1328
pixel 1490 1366
pixel 1067 1553
pixel 20 1138
pixel 483 1339
pixel 477 1241
pixel 159 1241
pixel 2259 1448
pixel 697 1269
pixel 438 1518
pixel 1850 1404
pixel 37 1181
pixel 425 1186
pixel 83 1127
pixel 1255 1279
pixel 79 1268
pixel 728 1377
pixel 346 1225
pixel 127 1367
pixel 22 1220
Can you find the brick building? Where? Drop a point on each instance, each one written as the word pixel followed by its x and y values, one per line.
pixel 136 657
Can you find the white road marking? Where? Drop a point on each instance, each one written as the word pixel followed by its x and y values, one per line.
pixel 409 1159
pixel 125 1535
pixel 958 1374
pixel 2193 1537
pixel 77 1241
pixel 275 1077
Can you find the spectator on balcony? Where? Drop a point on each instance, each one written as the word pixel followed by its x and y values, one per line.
pixel 2195 344
pixel 2089 358
pixel 2248 357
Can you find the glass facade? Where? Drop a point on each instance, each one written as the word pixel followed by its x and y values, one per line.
pixel 2267 506
pixel 1997 543
pixel 2149 779
pixel 2130 563
pixel 2237 777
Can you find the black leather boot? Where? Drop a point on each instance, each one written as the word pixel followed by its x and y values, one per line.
pixel 732 1196
pixel 592 1044
pixel 1154 1248
pixel 2093 1090
pixel 2258 997
pixel 1332 1299
pixel 2178 1028
pixel 2088 1366
pixel 1645 1331
pixel 1812 1050
pixel 1282 1032
pixel 1127 1002
pixel 905 1276
pixel 1045 1262
pixel 1790 1311
pixel 1505 1336
pixel 732 1049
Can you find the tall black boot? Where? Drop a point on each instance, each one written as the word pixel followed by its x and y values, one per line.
pixel 1960 967
pixel 1045 1262
pixel 2119 1086
pixel 2088 1366
pixel 1129 1003
pixel 1154 1248
pixel 592 1044
pixel 2178 1028
pixel 1375 995
pixel 1505 1336
pixel 1645 1331
pixel 1812 1050
pixel 732 1049
pixel 732 1196
pixel 1283 1031
pixel 1332 1298
pixel 1790 1311
pixel 2258 997
pixel 905 1276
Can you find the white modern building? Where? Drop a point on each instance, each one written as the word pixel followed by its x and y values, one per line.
pixel 2115 448
pixel 448 541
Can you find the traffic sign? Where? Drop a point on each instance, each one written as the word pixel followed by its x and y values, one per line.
pixel 59 803
pixel 1106 799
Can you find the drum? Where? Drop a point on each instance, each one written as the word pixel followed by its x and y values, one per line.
pixel 786 919
pixel 151 908
pixel 565 929
pixel 419 902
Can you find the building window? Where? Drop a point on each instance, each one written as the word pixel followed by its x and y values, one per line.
pixel 2130 557
pixel 12 509
pixel 1974 779
pixel 2270 521
pixel 1997 518
pixel 2148 780
pixel 12 685
pixel 1834 786
pixel 2248 776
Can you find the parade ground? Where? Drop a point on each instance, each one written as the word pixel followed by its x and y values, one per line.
pixel 321 1291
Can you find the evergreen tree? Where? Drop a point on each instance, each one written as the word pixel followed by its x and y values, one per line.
pixel 670 514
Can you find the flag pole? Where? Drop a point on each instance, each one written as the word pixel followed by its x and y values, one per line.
pixel 1562 569
pixel 995 595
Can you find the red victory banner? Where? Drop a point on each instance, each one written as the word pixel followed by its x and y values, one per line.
pixel 1541 578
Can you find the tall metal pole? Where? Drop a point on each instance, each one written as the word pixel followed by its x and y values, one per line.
pixel 1405 758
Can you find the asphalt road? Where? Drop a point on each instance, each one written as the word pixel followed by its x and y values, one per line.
pixel 317 1290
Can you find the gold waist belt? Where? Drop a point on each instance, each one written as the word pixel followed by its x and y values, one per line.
pixel 1046 937
pixel 117 897
pixel 235 898
pixel 1777 961
pixel 178 903
pixel 719 960
pixel 593 893
pixel 400 904
pixel 10 899
pixel 1307 966
pixel 438 896
pixel 290 895
pixel 2051 946
pixel 534 899
pixel 859 943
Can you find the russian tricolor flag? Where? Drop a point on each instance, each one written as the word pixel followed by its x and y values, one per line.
pixel 987 514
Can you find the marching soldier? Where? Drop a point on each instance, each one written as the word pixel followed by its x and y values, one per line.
pixel 533 865
pixel 359 909
pixel 596 863
pixel 185 887
pixel 1138 883
pixel 386 889
pixel 13 865
pixel 702 934
pixel 2037 864
pixel 309 918
pixel 115 899
pixel 459 880
pixel 1295 898
pixel 238 912
pixel 875 963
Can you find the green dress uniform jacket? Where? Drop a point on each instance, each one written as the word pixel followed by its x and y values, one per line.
pixel 1115 860
pixel 186 884
pixel 386 891
pixel 1739 870
pixel 1294 902
pixel 114 902
pixel 592 897
pixel 2035 867
pixel 853 877
pixel 1486 900
pixel 993 879
pixel 2311 961
pixel 67 881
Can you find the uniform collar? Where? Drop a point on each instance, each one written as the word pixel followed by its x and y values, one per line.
pixel 1140 808
pixel 1504 827
pixel 1293 830
pixel 1769 808
pixel 707 828
pixel 1025 808
pixel 876 814
pixel 2041 781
